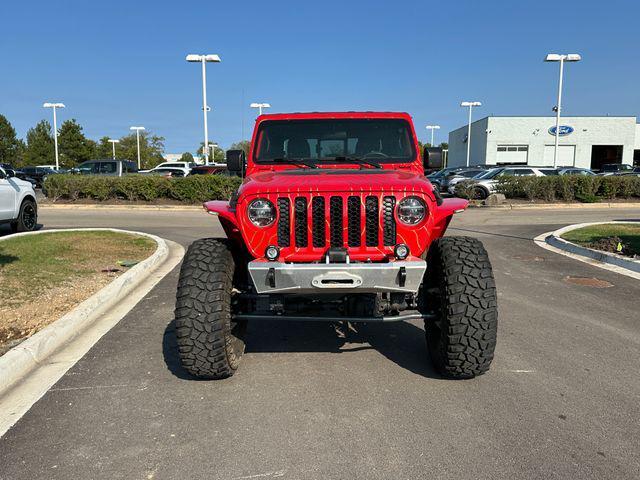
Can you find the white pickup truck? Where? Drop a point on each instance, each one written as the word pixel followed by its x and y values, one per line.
pixel 18 206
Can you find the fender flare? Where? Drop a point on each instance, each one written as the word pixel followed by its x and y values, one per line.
pixel 445 211
pixel 227 217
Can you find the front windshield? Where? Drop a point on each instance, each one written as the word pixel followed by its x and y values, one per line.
pixel 488 174
pixel 317 141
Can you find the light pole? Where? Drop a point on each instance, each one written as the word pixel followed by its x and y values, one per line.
pixel 470 105
pixel 53 106
pixel 260 106
pixel 137 129
pixel 432 128
pixel 203 59
pixel 113 146
pixel 555 57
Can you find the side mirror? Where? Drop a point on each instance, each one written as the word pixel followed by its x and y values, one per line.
pixel 236 161
pixel 432 158
pixel 10 173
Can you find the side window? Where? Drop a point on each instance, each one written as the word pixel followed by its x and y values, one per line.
pixel 523 172
pixel 108 167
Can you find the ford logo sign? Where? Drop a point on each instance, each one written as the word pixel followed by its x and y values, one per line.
pixel 562 130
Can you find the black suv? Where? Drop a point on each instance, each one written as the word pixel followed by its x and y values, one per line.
pixel 114 168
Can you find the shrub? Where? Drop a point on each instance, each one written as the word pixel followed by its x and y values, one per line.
pixel 196 189
pixel 584 188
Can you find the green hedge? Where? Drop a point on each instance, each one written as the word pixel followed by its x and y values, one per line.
pixel 569 188
pixel 195 189
pixel 566 188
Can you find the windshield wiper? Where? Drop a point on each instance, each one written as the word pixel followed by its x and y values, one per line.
pixel 358 160
pixel 299 162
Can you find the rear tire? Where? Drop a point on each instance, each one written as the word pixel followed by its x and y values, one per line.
pixel 27 220
pixel 460 290
pixel 479 193
pixel 210 343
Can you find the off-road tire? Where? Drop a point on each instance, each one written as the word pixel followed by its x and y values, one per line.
pixel 27 220
pixel 460 290
pixel 210 344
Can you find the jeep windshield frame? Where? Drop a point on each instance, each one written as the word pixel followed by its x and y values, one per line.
pixel 331 141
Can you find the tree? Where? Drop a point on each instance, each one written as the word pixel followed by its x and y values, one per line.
pixel 151 149
pixel 73 146
pixel 103 149
pixel 187 157
pixel 218 155
pixel 444 146
pixel 241 145
pixel 40 149
pixel 11 148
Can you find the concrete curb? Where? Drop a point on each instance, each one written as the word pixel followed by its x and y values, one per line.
pixel 551 206
pixel 609 261
pixel 23 358
pixel 72 206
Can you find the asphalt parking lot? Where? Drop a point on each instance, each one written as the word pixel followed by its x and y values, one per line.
pixel 561 400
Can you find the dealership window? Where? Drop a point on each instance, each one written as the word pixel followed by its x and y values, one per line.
pixel 513 148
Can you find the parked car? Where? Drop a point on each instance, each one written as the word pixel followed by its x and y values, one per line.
pixel 165 171
pixel 184 166
pixel 609 168
pixel 38 174
pixel 485 182
pixel 113 168
pixel 575 171
pixel 22 176
pixel 441 178
pixel 18 205
pixel 458 176
pixel 208 170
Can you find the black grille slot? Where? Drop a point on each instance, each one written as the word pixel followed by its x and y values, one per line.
pixel 355 225
pixel 318 227
pixel 335 220
pixel 284 225
pixel 300 216
pixel 371 225
pixel 388 221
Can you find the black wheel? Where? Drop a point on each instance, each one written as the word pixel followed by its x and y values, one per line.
pixel 210 343
pixel 460 291
pixel 480 193
pixel 27 220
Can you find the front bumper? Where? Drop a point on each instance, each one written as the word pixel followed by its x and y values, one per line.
pixel 317 278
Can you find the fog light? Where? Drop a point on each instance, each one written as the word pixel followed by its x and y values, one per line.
pixel 401 251
pixel 272 253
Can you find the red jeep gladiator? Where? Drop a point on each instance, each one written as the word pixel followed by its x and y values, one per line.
pixel 335 221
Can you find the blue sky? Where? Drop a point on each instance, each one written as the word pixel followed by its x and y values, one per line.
pixel 116 64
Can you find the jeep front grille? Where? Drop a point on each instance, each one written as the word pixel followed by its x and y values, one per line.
pixel 336 221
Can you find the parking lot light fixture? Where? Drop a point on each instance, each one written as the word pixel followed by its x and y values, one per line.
pixel 137 129
pixel 470 105
pixel 54 106
pixel 432 128
pixel 260 106
pixel 560 58
pixel 203 59
pixel 113 146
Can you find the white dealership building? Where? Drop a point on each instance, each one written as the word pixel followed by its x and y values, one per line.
pixel 586 142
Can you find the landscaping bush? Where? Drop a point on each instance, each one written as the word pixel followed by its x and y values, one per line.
pixel 584 188
pixel 196 189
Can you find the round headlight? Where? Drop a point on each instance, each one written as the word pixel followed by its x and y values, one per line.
pixel 261 212
pixel 411 210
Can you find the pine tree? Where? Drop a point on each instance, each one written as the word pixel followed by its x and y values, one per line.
pixel 11 148
pixel 40 149
pixel 73 146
